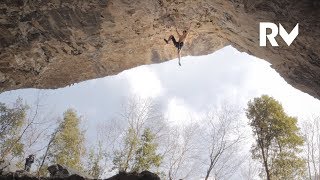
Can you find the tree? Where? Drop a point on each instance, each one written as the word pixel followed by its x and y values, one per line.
pixel 250 169
pixel 12 121
pixel 136 116
pixel 146 155
pixel 22 130
pixel 278 141
pixel 123 158
pixel 68 144
pixel 311 131
pixel 42 166
pixel 221 137
pixel 139 153
pixel 36 130
pixel 180 155
pixel 94 168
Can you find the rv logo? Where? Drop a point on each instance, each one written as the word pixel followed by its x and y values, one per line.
pixel 287 37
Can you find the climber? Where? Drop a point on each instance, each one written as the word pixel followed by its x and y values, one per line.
pixel 179 44
pixel 29 161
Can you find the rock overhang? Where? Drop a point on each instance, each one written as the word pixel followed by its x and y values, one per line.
pixel 52 44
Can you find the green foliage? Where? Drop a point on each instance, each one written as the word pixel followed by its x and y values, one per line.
pixel 123 159
pixel 146 156
pixel 43 171
pixel 278 141
pixel 139 153
pixel 68 145
pixel 95 169
pixel 11 123
pixel 288 166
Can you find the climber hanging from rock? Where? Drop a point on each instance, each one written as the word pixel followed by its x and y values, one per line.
pixel 179 44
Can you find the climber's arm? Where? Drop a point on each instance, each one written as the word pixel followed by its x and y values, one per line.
pixel 189 26
pixel 188 30
pixel 178 33
pixel 186 35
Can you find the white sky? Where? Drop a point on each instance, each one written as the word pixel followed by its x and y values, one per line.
pixel 184 92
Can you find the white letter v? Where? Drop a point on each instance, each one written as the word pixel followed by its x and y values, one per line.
pixel 288 38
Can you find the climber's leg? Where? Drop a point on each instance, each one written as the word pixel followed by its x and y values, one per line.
pixel 171 37
pixel 167 41
pixel 179 56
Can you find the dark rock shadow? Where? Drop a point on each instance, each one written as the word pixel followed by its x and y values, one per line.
pixel 155 57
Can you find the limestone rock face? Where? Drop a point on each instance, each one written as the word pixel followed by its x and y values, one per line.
pixel 144 175
pixel 60 171
pixel 54 43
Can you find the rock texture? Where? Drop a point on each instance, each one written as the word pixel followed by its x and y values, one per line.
pixel 26 176
pixel 60 171
pixel 145 175
pixel 54 43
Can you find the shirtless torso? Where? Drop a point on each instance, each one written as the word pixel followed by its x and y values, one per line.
pixel 179 44
pixel 183 37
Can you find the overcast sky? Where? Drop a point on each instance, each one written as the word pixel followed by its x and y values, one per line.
pixel 200 83
pixel 184 92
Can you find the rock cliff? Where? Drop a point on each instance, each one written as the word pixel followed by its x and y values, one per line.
pixel 54 43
